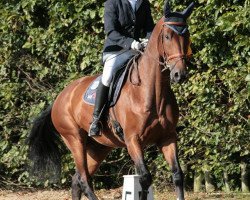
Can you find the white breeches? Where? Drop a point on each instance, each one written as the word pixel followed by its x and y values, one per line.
pixel 113 61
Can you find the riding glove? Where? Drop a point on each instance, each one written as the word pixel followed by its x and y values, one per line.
pixel 136 45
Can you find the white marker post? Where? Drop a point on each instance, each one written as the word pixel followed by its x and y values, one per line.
pixel 132 188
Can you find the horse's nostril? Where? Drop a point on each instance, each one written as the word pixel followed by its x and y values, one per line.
pixel 176 74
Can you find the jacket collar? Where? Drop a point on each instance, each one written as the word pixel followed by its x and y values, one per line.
pixel 138 4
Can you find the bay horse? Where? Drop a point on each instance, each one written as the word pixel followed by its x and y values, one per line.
pixel 147 112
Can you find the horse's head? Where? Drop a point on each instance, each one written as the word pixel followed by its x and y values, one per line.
pixel 175 42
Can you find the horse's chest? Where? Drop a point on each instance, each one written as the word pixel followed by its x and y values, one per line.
pixel 158 128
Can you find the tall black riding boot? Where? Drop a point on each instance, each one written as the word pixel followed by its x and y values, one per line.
pixel 101 99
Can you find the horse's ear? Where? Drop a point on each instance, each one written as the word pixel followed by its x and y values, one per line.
pixel 187 12
pixel 167 10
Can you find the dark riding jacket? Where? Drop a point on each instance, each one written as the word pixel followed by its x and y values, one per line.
pixel 123 25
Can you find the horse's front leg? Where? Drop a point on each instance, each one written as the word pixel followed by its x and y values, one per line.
pixel 136 153
pixel 168 146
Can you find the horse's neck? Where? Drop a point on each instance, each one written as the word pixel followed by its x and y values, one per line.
pixel 154 92
pixel 155 82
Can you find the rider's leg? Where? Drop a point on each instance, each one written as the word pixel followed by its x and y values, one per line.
pixel 112 62
pixel 101 99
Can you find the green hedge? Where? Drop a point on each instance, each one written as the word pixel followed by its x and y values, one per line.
pixel 45 44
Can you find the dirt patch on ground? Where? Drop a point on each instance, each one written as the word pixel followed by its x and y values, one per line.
pixel 111 195
pixel 35 195
pixel 55 195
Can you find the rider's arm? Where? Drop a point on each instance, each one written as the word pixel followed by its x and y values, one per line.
pixel 112 26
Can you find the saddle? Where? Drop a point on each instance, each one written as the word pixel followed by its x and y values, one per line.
pixel 114 92
pixel 115 87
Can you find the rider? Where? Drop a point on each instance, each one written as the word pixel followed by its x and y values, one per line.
pixel 125 22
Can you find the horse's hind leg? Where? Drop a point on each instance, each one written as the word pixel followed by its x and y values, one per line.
pixel 76 142
pixel 136 153
pixel 169 149
pixel 75 186
pixel 88 158
pixel 95 154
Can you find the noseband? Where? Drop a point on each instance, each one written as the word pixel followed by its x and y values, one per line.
pixel 168 58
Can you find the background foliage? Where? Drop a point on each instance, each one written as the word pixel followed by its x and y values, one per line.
pixel 45 44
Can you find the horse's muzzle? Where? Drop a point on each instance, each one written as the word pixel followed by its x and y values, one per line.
pixel 178 76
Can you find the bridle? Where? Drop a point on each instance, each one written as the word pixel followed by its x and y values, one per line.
pixel 168 58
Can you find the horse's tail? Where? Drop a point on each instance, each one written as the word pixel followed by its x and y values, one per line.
pixel 44 151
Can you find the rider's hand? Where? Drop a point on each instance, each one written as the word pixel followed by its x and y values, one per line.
pixel 144 42
pixel 136 45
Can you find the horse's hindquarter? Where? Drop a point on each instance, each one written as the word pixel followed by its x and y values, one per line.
pixel 67 109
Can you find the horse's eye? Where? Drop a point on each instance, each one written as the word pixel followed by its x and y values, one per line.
pixel 167 37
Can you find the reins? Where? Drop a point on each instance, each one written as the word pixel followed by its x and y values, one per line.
pixel 134 66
